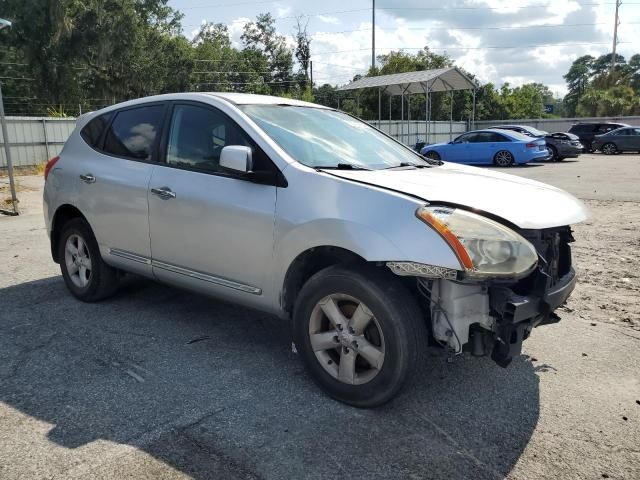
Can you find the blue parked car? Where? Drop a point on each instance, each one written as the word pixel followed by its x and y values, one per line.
pixel 489 147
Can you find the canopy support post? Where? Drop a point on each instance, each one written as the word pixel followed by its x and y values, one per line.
pixel 473 111
pixel 451 115
pixel 426 119
pixel 408 119
pixel 379 108
pixel 402 117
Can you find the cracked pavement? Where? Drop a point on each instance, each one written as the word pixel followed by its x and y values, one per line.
pixel 161 383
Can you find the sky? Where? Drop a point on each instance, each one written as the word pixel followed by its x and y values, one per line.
pixel 514 41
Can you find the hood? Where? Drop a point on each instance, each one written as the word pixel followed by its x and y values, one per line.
pixel 523 202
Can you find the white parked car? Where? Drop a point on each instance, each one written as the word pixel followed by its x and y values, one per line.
pixel 303 211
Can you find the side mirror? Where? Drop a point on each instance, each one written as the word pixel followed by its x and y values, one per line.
pixel 237 157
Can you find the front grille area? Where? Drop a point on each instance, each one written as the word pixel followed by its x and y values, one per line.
pixel 554 251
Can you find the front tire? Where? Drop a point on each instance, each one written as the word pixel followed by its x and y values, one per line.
pixel 609 148
pixel 503 158
pixel 359 333
pixel 554 153
pixel 85 274
pixel 433 155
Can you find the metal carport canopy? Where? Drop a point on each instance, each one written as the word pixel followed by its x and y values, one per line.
pixel 437 80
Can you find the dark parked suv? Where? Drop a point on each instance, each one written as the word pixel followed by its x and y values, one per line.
pixel 587 131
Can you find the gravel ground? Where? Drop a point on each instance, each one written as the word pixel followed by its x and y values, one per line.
pixel 161 383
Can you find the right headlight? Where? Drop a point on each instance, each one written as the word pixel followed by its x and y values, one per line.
pixel 484 247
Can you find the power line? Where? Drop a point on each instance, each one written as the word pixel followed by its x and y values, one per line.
pixel 222 5
pixel 510 7
pixel 474 48
pixel 430 9
pixel 504 27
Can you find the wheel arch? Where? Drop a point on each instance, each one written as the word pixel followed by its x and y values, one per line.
pixel 63 214
pixel 307 264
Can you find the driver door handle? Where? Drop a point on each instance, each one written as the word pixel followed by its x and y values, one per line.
pixel 88 178
pixel 163 192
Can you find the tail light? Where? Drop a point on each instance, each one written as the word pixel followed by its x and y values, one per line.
pixel 532 145
pixel 49 166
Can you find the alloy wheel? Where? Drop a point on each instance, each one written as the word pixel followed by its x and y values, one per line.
pixel 609 149
pixel 346 339
pixel 78 260
pixel 504 158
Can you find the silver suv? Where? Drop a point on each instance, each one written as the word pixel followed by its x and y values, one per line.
pixel 372 251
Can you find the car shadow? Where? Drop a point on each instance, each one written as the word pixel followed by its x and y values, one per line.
pixel 214 390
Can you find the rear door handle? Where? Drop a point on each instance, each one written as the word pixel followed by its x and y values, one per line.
pixel 163 192
pixel 88 178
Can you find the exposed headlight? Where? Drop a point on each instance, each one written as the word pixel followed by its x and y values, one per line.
pixel 484 247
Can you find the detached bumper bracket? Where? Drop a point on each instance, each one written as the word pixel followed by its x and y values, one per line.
pixel 517 314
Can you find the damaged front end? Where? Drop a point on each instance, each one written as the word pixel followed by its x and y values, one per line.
pixel 494 316
pixel 531 302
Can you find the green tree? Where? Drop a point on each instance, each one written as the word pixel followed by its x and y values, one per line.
pixel 261 37
pixel 577 79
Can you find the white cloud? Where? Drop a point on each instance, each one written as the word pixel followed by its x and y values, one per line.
pixel 328 19
pixel 464 33
pixel 236 27
pixel 282 11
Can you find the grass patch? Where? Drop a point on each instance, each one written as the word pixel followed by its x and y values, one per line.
pixel 24 170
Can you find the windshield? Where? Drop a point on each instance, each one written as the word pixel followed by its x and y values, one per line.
pixel 322 138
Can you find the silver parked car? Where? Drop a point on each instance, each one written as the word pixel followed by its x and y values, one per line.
pixel 372 251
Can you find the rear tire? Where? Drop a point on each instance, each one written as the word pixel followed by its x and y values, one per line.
pixel 609 148
pixel 359 333
pixel 503 158
pixel 554 153
pixel 86 275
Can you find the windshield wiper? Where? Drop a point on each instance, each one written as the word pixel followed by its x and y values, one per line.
pixel 407 164
pixel 341 166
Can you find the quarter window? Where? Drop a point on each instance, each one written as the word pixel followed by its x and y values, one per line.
pixel 134 132
pixel 92 131
pixel 198 135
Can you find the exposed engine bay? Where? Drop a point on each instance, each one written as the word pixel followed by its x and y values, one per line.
pixel 494 317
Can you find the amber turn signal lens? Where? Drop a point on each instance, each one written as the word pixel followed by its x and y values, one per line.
pixel 448 236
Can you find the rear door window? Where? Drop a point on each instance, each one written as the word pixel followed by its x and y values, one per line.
pixel 134 132
pixel 605 128
pixel 92 131
pixel 495 137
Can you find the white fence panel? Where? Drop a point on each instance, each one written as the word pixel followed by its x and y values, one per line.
pixel 411 132
pixel 34 140
pixel 557 124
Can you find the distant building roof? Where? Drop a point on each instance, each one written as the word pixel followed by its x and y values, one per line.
pixel 439 80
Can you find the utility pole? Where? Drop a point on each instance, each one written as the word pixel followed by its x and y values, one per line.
pixel 615 36
pixel 5 140
pixel 373 34
pixel 311 72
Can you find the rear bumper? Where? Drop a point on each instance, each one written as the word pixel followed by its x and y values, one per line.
pixel 570 150
pixel 537 156
pixel 518 314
